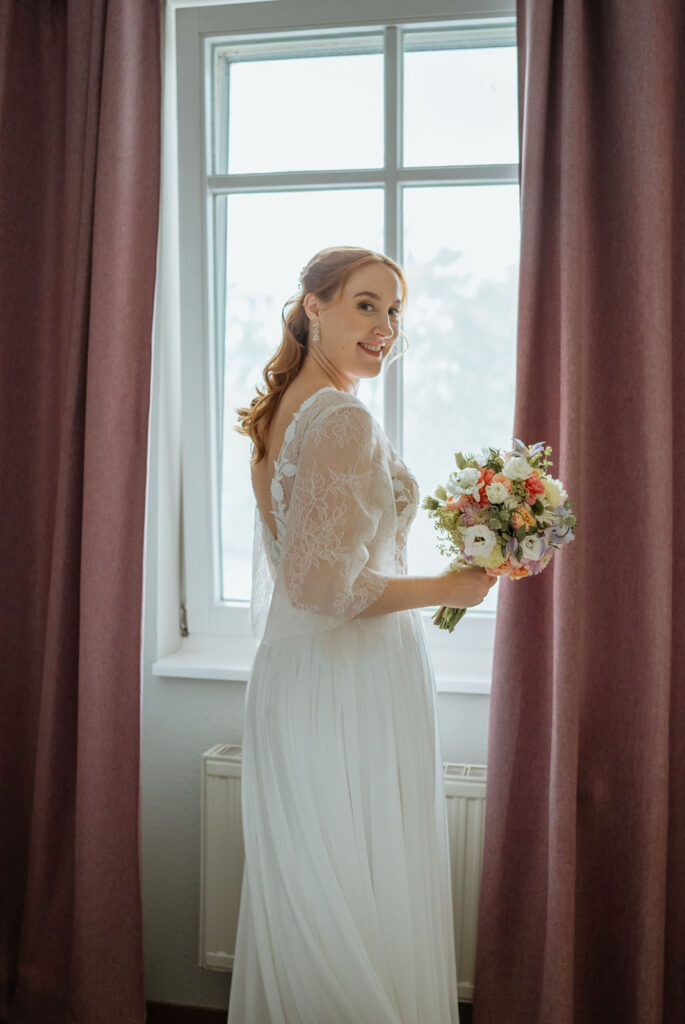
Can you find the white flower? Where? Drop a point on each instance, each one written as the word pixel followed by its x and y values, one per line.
pixel 452 485
pixel 479 540
pixel 517 468
pixel 552 493
pixel 468 477
pixel 532 547
pixel 465 481
pixel 496 492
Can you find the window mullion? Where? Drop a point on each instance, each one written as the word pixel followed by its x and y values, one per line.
pixel 393 390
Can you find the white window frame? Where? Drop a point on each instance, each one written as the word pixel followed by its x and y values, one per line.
pixel 219 642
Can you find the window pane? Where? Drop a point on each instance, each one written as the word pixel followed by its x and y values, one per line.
pixel 320 112
pixel 460 106
pixel 262 271
pixel 461 260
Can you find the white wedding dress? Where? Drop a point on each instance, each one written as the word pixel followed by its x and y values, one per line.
pixel 346 910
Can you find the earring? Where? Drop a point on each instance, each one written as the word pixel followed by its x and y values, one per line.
pixel 316 331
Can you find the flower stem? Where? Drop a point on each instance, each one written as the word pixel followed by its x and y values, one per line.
pixel 447 618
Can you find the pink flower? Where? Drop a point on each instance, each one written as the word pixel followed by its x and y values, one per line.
pixel 469 513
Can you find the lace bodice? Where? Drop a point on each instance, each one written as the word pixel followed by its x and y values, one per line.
pixel 343 502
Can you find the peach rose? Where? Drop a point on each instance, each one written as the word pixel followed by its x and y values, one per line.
pixel 506 569
pixel 522 516
pixel 534 486
pixel 500 478
pixel 486 476
pixel 502 570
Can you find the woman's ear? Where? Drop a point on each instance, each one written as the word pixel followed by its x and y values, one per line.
pixel 311 305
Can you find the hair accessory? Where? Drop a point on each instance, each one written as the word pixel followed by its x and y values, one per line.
pixel 316 331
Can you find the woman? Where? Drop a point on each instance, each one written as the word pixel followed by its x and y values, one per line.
pixel 345 914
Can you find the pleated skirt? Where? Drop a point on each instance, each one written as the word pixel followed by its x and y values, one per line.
pixel 346 909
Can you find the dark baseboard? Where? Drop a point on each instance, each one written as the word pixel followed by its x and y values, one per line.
pixel 171 1013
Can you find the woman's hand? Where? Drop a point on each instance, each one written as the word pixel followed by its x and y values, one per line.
pixel 465 587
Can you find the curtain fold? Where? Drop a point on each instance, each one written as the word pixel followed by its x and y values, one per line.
pixel 582 914
pixel 79 192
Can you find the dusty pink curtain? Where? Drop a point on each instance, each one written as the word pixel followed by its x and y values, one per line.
pixel 583 894
pixel 79 183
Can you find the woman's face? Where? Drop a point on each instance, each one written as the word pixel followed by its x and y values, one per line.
pixel 358 331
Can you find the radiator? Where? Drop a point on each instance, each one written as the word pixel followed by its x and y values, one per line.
pixel 222 858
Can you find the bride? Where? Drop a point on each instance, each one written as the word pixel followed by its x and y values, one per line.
pixel 346 912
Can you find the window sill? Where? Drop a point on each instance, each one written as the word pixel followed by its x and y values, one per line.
pixel 235 667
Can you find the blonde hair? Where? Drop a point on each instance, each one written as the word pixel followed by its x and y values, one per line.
pixel 325 275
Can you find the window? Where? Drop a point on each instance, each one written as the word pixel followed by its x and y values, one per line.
pixel 400 135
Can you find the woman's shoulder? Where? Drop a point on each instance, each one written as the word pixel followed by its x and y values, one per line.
pixel 332 406
pixel 341 419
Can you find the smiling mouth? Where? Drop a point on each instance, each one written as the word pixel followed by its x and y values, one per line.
pixel 373 350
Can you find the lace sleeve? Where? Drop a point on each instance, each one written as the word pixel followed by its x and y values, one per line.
pixel 262 577
pixel 340 510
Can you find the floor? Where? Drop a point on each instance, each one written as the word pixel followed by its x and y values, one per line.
pixel 166 1013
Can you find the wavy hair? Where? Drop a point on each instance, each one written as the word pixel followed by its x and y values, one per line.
pixel 325 275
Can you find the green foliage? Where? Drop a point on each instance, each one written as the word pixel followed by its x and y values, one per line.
pixel 495 461
pixel 498 518
pixel 448 528
pixel 566 523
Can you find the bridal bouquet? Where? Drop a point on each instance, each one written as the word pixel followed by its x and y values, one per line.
pixel 501 511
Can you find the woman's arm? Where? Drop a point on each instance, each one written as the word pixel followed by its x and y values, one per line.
pixel 464 588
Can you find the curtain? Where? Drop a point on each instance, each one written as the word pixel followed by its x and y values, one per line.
pixel 582 905
pixel 79 190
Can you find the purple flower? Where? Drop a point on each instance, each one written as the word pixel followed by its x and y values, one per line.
pixel 554 535
pixel 536 567
pixel 510 547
